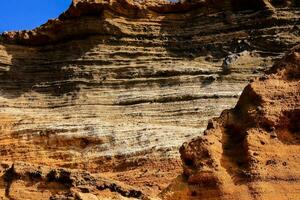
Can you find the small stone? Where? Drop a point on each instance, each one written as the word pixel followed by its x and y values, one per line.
pixel 209 58
pixel 273 134
pixel 259 109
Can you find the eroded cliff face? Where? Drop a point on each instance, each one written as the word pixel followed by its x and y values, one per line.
pixel 117 86
pixel 251 151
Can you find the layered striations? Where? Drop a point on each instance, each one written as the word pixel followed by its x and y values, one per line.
pixel 251 151
pixel 117 86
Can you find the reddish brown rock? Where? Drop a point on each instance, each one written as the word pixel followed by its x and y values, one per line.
pixel 251 151
pixel 31 182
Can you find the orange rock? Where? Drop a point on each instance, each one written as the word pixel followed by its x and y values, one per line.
pixel 252 150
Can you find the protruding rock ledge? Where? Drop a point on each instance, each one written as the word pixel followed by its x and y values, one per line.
pixel 26 181
pixel 63 28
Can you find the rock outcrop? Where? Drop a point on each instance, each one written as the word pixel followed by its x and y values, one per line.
pixel 117 86
pixel 26 181
pixel 251 151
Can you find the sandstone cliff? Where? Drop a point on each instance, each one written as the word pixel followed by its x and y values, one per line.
pixel 251 151
pixel 117 86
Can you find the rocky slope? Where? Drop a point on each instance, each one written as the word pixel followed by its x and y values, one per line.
pixel 117 86
pixel 251 151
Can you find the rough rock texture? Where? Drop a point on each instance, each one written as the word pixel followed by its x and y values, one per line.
pixel 26 181
pixel 251 151
pixel 117 86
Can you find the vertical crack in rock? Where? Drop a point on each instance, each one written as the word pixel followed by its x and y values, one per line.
pixel 9 177
pixel 235 153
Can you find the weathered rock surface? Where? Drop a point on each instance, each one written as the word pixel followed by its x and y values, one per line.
pixel 117 86
pixel 26 181
pixel 251 151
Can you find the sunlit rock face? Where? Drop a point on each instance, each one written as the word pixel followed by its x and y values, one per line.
pixel 250 151
pixel 117 86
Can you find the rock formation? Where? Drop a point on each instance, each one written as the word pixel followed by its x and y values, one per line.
pixel 251 151
pixel 27 181
pixel 117 86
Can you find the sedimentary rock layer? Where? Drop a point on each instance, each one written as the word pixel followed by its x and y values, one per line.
pixel 251 151
pixel 118 86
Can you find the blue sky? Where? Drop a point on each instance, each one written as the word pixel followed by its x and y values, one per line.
pixel 28 14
